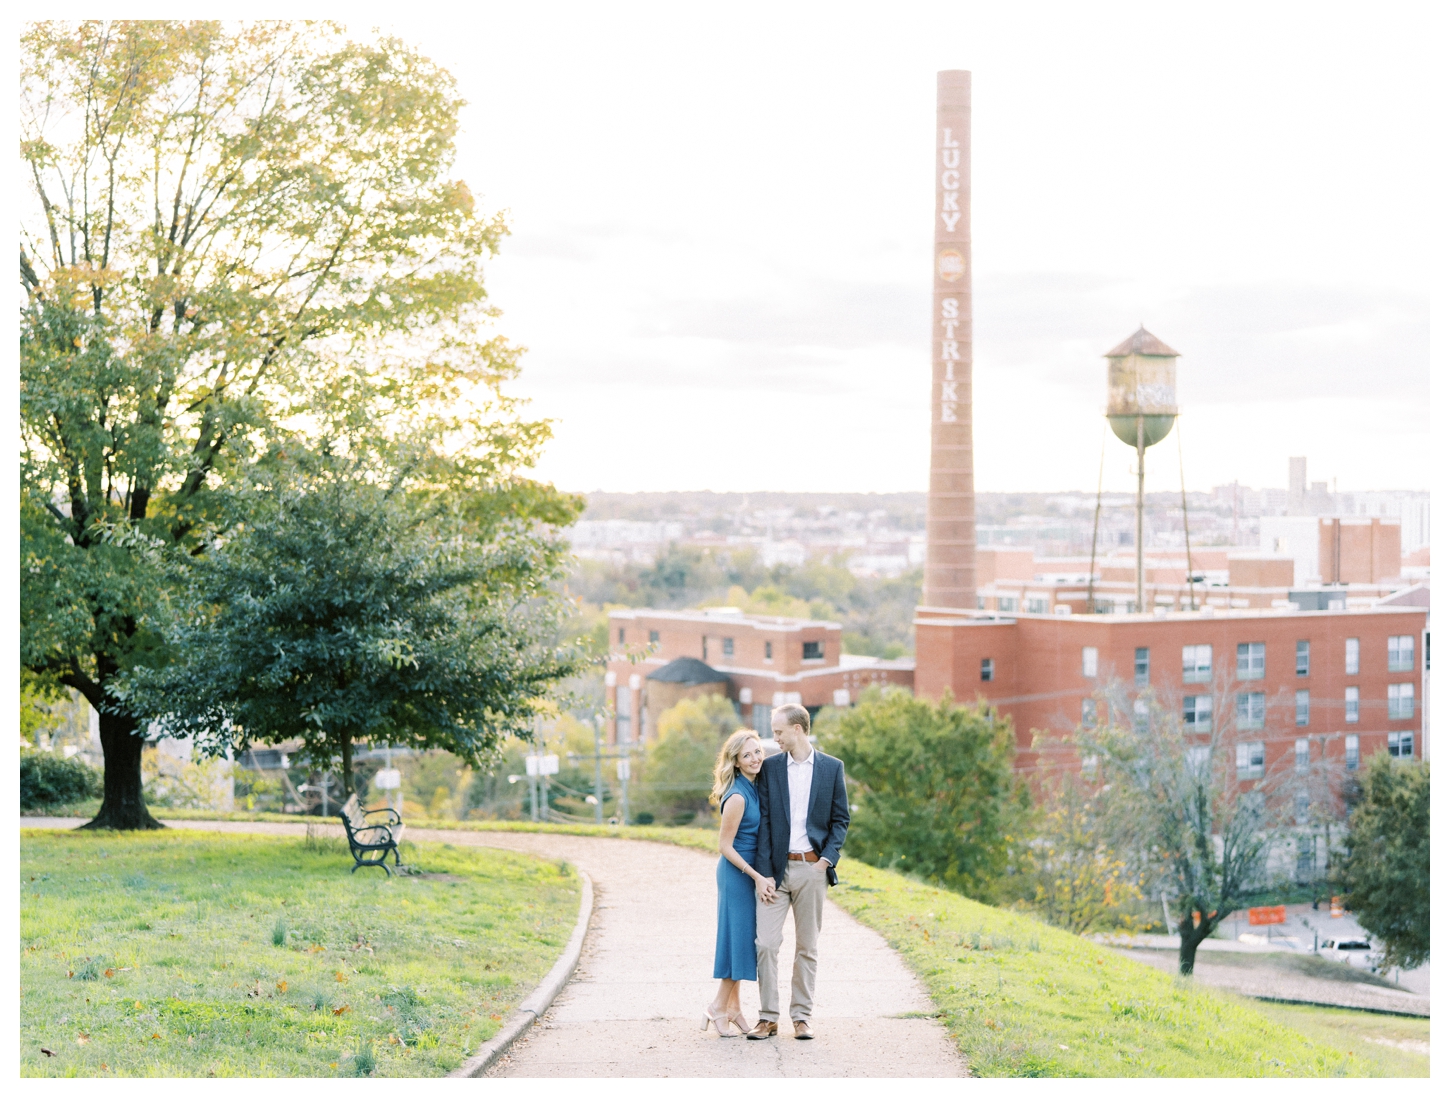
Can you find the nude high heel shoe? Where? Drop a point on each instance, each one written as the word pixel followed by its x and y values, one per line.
pixel 721 1020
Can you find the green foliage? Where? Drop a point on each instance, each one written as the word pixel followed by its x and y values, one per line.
pixel 237 235
pixel 415 969
pixel 679 768
pixel 48 780
pixel 1385 869
pixel 934 784
pixel 343 611
pixel 1071 873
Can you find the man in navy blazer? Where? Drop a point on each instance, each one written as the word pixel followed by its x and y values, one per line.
pixel 803 821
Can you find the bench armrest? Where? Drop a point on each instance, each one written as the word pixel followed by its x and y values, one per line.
pixel 393 817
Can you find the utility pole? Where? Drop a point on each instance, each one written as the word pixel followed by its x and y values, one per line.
pixel 622 769
pixel 598 768
pixel 1141 448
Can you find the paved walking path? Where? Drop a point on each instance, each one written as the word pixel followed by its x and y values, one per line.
pixel 636 1000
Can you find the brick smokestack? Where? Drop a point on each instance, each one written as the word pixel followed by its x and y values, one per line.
pixel 951 531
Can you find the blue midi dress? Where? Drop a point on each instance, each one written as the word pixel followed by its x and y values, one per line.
pixel 735 924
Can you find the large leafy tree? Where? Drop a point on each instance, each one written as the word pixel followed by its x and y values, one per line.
pixel 343 609
pixel 1385 869
pixel 933 782
pixel 1174 802
pixel 232 233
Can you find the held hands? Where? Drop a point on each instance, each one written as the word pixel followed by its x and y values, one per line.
pixel 765 889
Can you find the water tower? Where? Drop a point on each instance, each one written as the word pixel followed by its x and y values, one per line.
pixel 1142 405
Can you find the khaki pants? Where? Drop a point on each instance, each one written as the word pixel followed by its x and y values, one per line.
pixel 803 891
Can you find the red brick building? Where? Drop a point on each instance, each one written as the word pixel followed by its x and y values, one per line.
pixel 1340 683
pixel 767 661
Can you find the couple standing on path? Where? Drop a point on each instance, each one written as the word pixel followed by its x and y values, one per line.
pixel 782 822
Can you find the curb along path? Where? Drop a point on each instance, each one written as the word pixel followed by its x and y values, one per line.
pixel 634 1004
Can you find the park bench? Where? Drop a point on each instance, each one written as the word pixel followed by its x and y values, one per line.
pixel 371 842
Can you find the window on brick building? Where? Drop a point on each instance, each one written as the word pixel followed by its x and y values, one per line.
pixel 1089 663
pixel 1198 663
pixel 1251 660
pixel 1198 712
pixel 1301 707
pixel 1140 667
pixel 1140 715
pixel 621 635
pixel 1402 653
pixel 1351 656
pixel 1402 701
pixel 1007 603
pixel 1196 758
pixel 1249 711
pixel 728 646
pixel 1089 713
pixel 1351 751
pixel 988 668
pixel 1301 753
pixel 1351 705
pixel 1250 760
pixel 1035 605
pixel 1301 817
pixel 811 650
pixel 769 651
pixel 1402 745
pixel 654 636
pixel 1301 658
pixel 705 649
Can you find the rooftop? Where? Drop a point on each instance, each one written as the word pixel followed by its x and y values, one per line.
pixel 1142 342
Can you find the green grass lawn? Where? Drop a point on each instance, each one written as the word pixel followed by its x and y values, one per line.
pixel 192 953
pixel 1023 998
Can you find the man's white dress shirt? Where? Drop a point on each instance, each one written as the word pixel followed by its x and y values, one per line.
pixel 798 775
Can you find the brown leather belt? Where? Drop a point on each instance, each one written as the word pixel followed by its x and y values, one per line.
pixel 808 856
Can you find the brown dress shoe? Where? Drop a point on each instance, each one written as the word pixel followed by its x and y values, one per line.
pixel 803 1031
pixel 762 1030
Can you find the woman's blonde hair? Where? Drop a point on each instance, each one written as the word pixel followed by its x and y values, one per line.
pixel 727 763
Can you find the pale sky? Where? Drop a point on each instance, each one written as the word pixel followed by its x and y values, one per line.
pixel 720 259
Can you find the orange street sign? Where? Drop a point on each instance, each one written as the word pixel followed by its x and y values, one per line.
pixel 1265 916
pixel 1336 907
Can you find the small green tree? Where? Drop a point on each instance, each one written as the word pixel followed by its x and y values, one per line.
pixel 1072 873
pixel 1385 869
pixel 679 766
pixel 344 611
pixel 934 785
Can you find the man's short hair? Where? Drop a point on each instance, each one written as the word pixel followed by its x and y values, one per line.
pixel 797 715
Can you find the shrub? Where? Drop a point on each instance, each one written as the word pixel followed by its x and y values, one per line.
pixel 47 780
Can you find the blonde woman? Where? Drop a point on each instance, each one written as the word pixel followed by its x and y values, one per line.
pixel 735 770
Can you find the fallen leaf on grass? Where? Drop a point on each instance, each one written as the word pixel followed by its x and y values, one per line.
pixel 105 1067
pixel 46 1050
pixel 156 1036
pixel 110 972
pixel 282 986
pixel 340 977
pixel 83 1038
pixel 341 1010
pixel 496 1017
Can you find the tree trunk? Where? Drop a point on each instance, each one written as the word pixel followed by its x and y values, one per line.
pixel 1189 937
pixel 123 805
pixel 346 765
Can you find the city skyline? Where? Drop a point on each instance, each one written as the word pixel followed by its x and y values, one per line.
pixel 719 233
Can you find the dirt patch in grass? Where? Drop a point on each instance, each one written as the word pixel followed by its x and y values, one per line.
pixel 186 953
